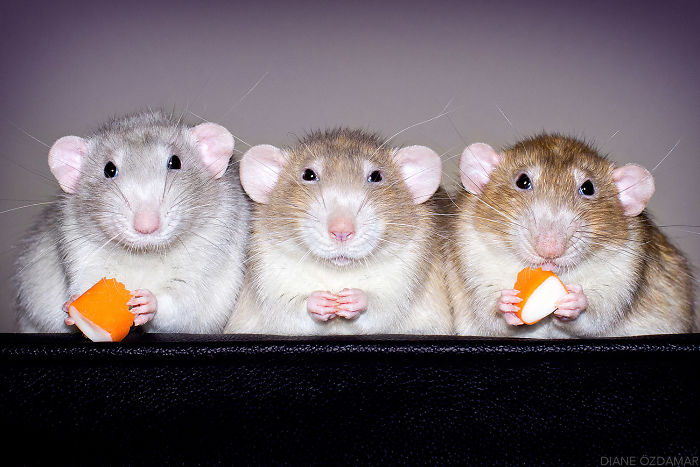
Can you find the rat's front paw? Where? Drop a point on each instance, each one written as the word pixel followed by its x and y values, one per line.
pixel 144 305
pixel 506 305
pixel 351 302
pixel 570 306
pixel 322 305
pixel 66 306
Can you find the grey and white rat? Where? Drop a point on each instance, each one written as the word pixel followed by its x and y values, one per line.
pixel 344 239
pixel 553 202
pixel 149 201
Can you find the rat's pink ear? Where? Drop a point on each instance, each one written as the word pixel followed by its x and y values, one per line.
pixel 65 159
pixel 475 166
pixel 421 169
pixel 260 169
pixel 215 144
pixel 635 185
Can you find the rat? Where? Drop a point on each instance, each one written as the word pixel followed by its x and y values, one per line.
pixel 553 202
pixel 151 202
pixel 344 238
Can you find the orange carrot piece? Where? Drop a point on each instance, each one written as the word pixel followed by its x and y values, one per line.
pixel 104 307
pixel 527 282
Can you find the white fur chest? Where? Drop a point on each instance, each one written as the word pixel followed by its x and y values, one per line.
pixel 280 273
pixel 283 282
pixel 88 264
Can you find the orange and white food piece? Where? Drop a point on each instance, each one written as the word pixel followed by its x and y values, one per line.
pixel 101 313
pixel 540 291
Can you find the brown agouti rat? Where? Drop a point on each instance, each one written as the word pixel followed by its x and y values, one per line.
pixel 553 202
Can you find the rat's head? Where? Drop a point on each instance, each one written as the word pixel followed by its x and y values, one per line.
pixel 552 200
pixel 340 195
pixel 145 179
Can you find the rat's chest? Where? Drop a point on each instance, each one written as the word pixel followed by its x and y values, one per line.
pixel 278 273
pixel 135 270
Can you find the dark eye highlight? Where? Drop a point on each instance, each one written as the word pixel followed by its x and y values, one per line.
pixel 111 170
pixel 174 163
pixel 587 188
pixel 375 177
pixel 523 182
pixel 309 176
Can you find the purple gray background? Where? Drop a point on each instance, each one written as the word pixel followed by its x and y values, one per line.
pixel 624 74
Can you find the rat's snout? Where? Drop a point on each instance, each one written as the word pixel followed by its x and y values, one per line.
pixel 146 221
pixel 550 243
pixel 341 227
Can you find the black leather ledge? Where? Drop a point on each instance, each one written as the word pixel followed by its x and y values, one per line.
pixel 156 399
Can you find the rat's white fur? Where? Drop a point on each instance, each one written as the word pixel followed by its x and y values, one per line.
pixel 275 303
pixel 194 269
pixel 195 285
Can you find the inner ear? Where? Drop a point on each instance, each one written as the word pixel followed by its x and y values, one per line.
pixel 260 169
pixel 66 159
pixel 635 186
pixel 215 145
pixel 421 169
pixel 475 166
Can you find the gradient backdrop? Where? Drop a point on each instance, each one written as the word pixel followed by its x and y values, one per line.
pixel 623 74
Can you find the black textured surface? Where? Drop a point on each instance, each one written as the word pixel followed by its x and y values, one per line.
pixel 156 399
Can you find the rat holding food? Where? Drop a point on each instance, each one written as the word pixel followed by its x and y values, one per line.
pixel 552 202
pixel 150 201
pixel 344 239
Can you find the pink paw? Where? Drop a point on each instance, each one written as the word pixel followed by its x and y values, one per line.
pixel 68 320
pixel 506 305
pixel 351 302
pixel 322 305
pixel 572 304
pixel 144 305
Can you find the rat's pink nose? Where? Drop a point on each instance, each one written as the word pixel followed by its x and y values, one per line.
pixel 549 244
pixel 341 229
pixel 146 221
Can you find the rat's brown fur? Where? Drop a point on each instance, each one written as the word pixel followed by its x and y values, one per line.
pixel 652 291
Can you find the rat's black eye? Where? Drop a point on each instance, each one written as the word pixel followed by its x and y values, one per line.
pixel 309 176
pixel 375 177
pixel 587 188
pixel 111 170
pixel 174 163
pixel 523 182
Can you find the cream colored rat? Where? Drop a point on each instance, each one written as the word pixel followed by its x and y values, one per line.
pixel 344 239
